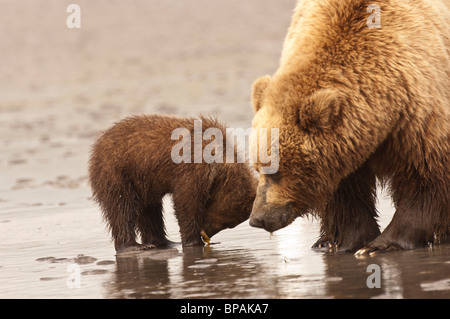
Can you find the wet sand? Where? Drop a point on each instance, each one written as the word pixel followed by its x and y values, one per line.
pixel 61 87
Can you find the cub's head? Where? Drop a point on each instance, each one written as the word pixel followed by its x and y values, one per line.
pixel 232 194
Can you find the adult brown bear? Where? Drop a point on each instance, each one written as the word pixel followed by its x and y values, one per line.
pixel 358 97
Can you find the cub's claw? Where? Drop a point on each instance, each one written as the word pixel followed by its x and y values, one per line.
pixel 205 237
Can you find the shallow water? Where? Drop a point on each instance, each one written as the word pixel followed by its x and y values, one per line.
pixel 67 254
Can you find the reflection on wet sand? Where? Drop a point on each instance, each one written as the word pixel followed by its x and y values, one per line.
pixel 279 267
pixel 241 263
pixel 200 272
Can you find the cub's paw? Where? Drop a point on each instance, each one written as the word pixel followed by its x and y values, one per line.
pixel 147 247
pixel 138 247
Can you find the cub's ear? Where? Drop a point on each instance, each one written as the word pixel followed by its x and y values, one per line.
pixel 321 110
pixel 258 88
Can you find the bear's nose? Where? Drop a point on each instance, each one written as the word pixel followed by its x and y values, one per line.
pixel 257 222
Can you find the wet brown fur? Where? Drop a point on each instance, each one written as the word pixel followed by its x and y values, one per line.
pixel 131 170
pixel 354 104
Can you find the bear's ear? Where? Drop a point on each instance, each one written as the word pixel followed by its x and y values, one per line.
pixel 322 109
pixel 258 88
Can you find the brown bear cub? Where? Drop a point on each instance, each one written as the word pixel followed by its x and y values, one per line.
pixel 137 161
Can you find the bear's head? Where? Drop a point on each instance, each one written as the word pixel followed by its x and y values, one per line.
pixel 304 121
pixel 232 194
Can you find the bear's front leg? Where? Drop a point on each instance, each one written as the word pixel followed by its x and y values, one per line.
pixel 410 228
pixel 399 234
pixel 421 218
pixel 348 220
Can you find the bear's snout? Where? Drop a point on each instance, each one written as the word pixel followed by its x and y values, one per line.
pixel 273 219
pixel 257 222
pixel 270 215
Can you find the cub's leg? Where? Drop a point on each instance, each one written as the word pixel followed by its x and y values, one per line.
pixel 150 224
pixel 189 209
